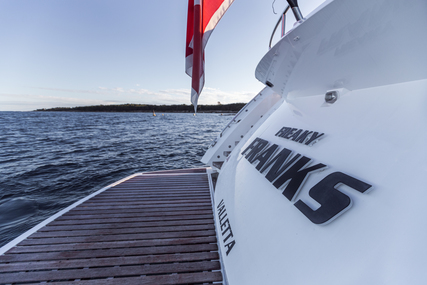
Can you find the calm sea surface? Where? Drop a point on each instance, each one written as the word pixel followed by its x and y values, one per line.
pixel 49 160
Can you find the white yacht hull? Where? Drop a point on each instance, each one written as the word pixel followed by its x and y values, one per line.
pixel 334 192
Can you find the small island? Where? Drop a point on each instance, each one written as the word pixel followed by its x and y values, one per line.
pixel 183 108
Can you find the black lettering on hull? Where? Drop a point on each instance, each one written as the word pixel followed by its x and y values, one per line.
pixel 225 227
pixel 299 135
pixel 294 176
pixel 289 171
pixel 332 201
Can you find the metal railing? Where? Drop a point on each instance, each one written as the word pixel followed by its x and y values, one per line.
pixel 297 13
pixel 282 20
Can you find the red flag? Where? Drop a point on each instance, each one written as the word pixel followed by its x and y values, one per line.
pixel 203 16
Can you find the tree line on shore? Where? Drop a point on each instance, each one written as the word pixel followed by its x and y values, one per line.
pixel 183 108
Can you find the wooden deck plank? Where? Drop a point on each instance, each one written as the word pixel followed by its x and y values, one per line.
pixel 81 254
pixel 166 178
pixel 140 215
pixel 179 171
pixel 187 278
pixel 152 196
pixel 34 241
pixel 155 228
pixel 138 211
pixel 144 202
pixel 79 233
pixel 156 193
pixel 165 191
pixel 153 180
pixel 180 207
pixel 168 204
pixel 110 272
pixel 107 261
pixel 133 189
pixel 152 193
pixel 114 244
pixel 95 219
pixel 142 188
pixel 112 225
pixel 146 187
pixel 162 190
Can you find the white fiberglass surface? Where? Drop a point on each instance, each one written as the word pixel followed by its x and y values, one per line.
pixel 375 135
pixel 350 44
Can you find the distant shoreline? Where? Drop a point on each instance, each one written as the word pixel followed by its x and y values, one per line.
pixel 142 108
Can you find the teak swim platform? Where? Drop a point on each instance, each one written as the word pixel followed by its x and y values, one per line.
pixel 149 228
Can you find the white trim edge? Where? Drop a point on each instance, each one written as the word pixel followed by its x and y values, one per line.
pixel 209 172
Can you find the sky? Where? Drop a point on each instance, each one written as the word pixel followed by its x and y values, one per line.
pixel 67 53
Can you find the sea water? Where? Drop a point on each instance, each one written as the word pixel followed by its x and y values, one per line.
pixel 48 160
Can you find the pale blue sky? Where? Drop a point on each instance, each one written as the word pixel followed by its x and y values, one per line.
pixel 65 53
